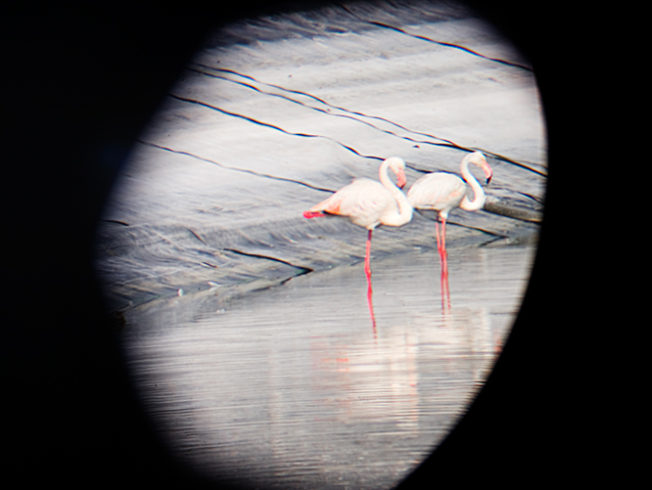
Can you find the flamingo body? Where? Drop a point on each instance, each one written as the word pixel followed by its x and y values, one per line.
pixel 439 191
pixel 367 203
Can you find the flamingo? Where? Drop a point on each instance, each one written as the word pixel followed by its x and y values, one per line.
pixel 442 192
pixel 368 203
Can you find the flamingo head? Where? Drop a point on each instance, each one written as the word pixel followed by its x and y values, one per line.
pixel 478 159
pixel 397 165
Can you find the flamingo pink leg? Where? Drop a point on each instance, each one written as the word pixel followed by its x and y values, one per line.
pixel 444 254
pixel 438 242
pixel 443 262
pixel 445 268
pixel 367 260
pixel 367 270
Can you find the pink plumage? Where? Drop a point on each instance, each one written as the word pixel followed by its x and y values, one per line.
pixel 439 191
pixel 364 201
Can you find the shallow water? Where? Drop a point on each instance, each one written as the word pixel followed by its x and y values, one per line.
pixel 292 386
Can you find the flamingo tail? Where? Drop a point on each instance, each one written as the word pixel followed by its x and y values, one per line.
pixel 313 214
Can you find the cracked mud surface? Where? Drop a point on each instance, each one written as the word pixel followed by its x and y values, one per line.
pixel 276 113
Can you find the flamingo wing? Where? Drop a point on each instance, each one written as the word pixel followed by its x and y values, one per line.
pixel 364 202
pixel 439 191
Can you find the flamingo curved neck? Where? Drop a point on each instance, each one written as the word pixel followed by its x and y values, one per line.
pixel 478 194
pixel 404 214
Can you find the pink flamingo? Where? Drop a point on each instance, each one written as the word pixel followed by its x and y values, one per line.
pixel 368 203
pixel 441 192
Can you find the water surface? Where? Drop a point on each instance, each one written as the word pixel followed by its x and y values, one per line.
pixel 292 387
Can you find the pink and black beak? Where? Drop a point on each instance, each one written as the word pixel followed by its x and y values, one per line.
pixel 400 179
pixel 488 172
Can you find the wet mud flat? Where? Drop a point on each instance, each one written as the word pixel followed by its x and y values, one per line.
pixel 291 386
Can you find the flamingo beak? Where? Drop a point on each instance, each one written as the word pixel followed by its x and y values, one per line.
pixel 488 172
pixel 400 179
